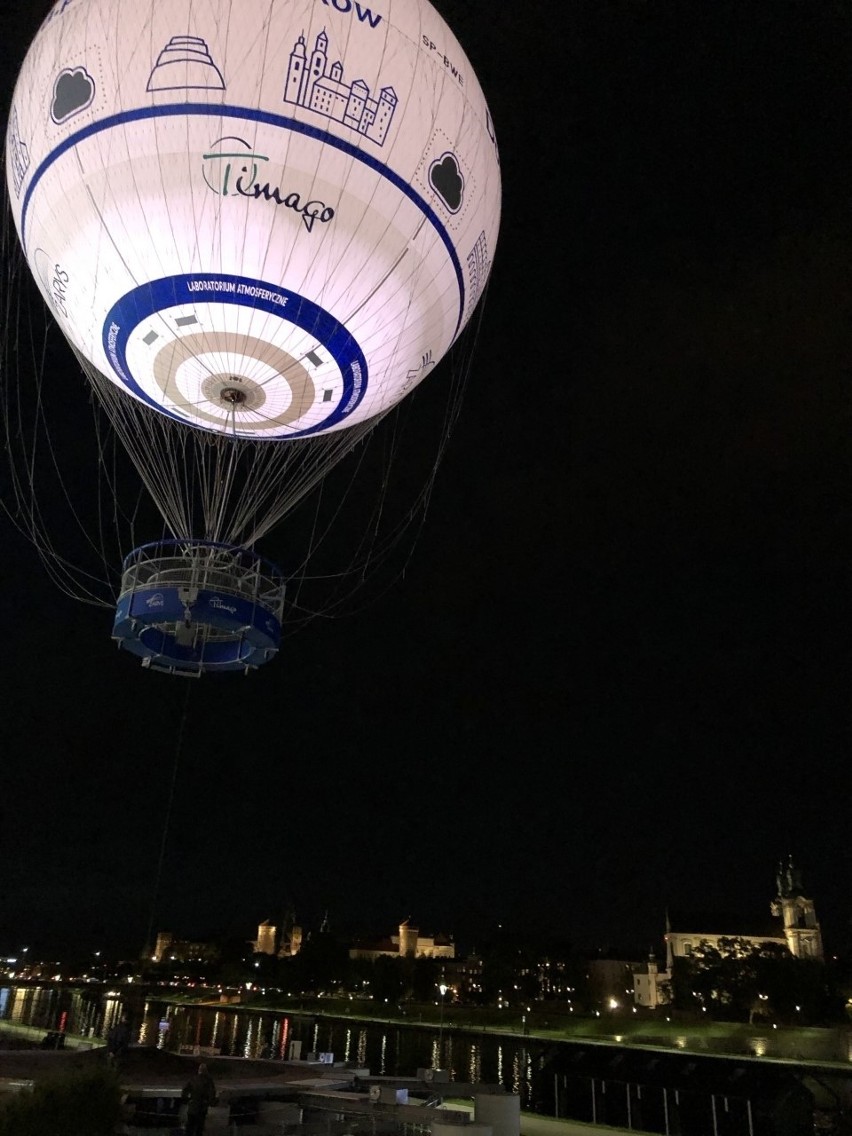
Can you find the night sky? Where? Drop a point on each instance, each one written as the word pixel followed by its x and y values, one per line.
pixel 615 675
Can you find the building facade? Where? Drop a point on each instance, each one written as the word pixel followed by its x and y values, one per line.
pixel 408 943
pixel 792 923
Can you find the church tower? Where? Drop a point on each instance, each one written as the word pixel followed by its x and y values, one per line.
pixel 318 65
pixel 297 73
pixel 291 935
pixel 801 929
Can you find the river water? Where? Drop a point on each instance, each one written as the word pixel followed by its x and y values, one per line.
pixel 525 1066
pixel 386 1050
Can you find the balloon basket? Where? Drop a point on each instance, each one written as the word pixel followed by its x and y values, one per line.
pixel 192 607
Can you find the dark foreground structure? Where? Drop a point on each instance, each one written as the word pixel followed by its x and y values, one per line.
pixel 635 1090
pixel 684 1095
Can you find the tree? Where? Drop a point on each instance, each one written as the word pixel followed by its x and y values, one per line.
pixel 747 981
pixel 321 965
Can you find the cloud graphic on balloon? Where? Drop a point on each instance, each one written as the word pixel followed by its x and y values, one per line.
pixel 446 179
pixel 73 91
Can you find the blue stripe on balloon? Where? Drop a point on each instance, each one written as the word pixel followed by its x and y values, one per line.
pixel 170 291
pixel 269 119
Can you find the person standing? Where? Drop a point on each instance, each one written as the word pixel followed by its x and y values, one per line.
pixel 118 1041
pixel 200 1093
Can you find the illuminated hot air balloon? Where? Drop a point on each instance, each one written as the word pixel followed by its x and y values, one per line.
pixel 259 224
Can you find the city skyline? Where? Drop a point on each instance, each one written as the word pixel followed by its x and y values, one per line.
pixel 787 918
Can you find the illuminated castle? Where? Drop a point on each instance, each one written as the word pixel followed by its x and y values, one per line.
pixel 312 83
pixel 409 943
pixel 264 944
pixel 268 943
pixel 170 949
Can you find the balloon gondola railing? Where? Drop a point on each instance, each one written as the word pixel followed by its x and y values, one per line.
pixel 193 607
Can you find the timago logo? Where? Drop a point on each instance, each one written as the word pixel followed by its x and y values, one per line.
pixel 218 168
pixel 232 169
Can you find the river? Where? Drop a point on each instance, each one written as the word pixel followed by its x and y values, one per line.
pixel 386 1050
pixel 526 1066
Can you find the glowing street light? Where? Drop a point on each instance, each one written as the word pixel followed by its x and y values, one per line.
pixel 443 990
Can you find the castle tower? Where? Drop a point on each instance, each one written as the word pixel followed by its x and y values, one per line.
pixel 265 942
pixel 291 935
pixel 408 937
pixel 164 942
pixel 801 929
pixel 318 64
pixel 385 107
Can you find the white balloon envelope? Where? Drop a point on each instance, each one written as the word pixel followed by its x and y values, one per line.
pixel 266 218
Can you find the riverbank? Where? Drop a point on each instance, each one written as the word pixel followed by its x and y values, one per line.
pixel 35 1037
pixel 766 1042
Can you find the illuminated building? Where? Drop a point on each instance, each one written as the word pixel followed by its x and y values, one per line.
pixel 792 924
pixel 409 943
pixel 265 942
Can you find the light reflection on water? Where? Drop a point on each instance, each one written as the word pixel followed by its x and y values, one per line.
pixel 386 1050
pixel 88 1019
pixel 48 1007
pixel 475 1067
pixel 232 1039
pixel 147 1027
pixel 112 1011
pixel 21 1004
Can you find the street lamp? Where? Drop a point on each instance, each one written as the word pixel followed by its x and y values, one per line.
pixel 443 990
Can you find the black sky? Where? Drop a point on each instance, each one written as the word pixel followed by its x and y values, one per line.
pixel 616 674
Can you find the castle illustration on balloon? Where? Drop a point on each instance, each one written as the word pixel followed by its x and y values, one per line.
pixel 313 84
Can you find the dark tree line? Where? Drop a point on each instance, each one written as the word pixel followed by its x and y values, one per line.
pixel 740 980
